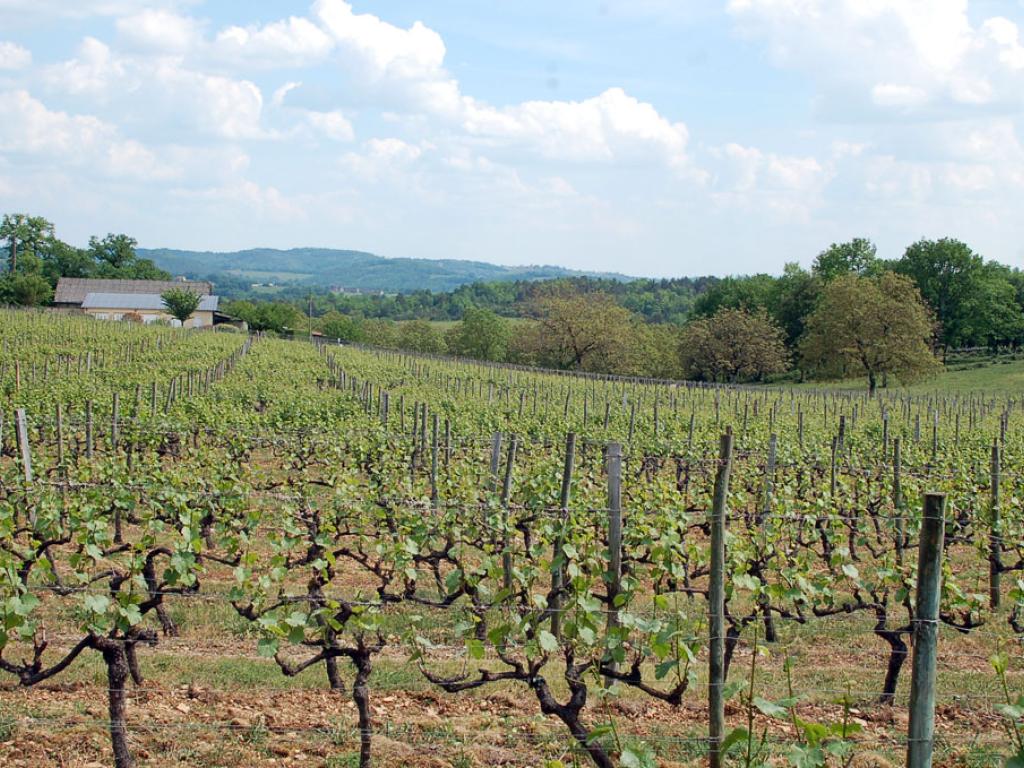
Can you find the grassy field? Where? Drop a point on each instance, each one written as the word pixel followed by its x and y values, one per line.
pixel 1000 375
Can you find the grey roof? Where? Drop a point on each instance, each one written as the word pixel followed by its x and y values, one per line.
pixel 146 301
pixel 73 290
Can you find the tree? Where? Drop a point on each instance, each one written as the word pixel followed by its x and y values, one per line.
pixel 420 336
pixel 586 332
pixel 180 303
pixel 857 257
pixel 660 350
pixel 25 234
pixel 732 345
pixel 115 257
pixel 338 326
pixel 25 290
pixel 481 335
pixel 273 316
pixel 114 251
pixel 381 332
pixel 793 298
pixel 874 326
pixel 748 292
pixel 948 274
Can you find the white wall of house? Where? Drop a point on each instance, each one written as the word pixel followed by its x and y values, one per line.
pixel 198 319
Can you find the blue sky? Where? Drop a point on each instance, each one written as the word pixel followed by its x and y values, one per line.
pixel 652 137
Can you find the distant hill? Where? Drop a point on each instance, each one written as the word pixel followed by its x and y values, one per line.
pixel 351 270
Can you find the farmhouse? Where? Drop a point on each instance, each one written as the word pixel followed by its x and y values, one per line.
pixel 114 299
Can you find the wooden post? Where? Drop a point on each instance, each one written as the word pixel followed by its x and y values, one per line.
pixel 60 436
pixel 506 494
pixel 885 433
pixel 21 429
pixel 495 460
pixel 114 422
pixel 995 547
pixel 921 732
pixel 557 556
pixel 433 464
pixel 716 605
pixel 769 476
pixel 614 464
pixel 832 468
pixel 897 499
pixel 88 429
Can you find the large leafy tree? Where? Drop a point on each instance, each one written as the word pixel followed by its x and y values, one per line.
pixel 856 257
pixel 338 326
pixel 481 334
pixel 115 257
pixel 750 292
pixel 793 298
pixel 586 332
pixel 732 345
pixel 265 316
pixel 968 296
pixel 871 326
pixel 24 236
pixel 421 336
pixel 24 290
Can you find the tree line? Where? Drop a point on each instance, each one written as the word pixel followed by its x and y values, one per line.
pixel 37 258
pixel 851 313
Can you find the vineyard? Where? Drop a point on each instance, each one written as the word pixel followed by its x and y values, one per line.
pixel 221 550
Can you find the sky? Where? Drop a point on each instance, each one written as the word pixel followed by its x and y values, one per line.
pixel 648 137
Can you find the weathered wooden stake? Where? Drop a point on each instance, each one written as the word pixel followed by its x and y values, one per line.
pixel 921 733
pixel 614 465
pixel 995 547
pixel 716 605
pixel 557 556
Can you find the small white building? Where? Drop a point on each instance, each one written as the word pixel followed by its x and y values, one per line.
pixel 149 306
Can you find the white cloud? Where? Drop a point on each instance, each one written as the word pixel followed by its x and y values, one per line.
pixel 248 196
pixel 33 129
pixel 752 179
pixel 944 63
pixel 334 125
pixel 218 105
pixel 160 30
pixel 610 126
pixel 900 96
pixel 282 93
pixel 292 42
pixel 381 157
pixel 382 49
pixel 94 72
pixel 17 12
pixel 161 91
pixel 14 56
